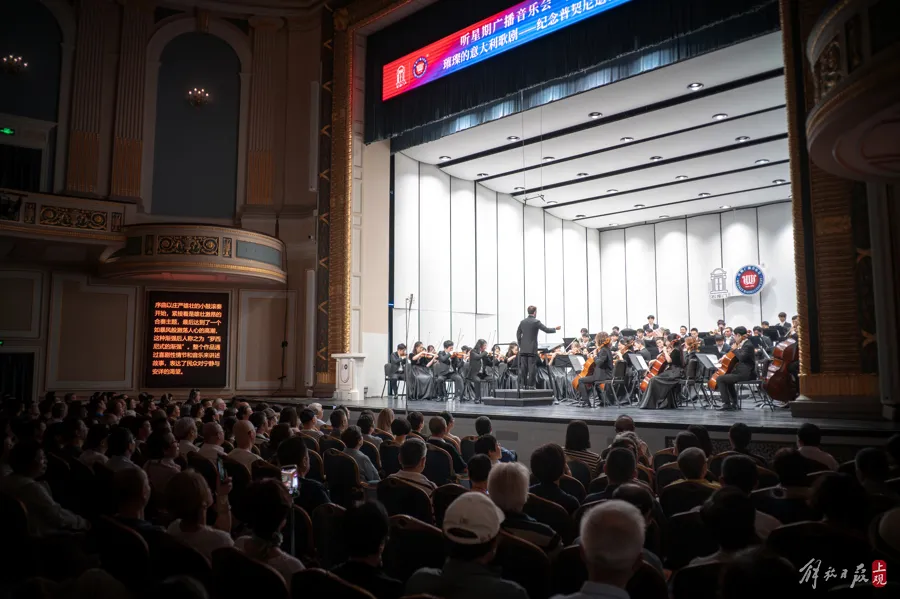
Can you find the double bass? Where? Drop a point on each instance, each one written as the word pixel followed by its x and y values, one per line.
pixel 779 383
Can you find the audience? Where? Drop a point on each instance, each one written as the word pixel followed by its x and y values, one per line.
pixel 754 573
pixel 438 428
pixel 94 448
pixel 685 440
pixel 841 501
pixel 289 416
pixel 489 446
pixel 739 436
pixel 578 442
pixel 741 472
pixel 731 518
pixel 620 468
pixel 702 435
pixel 366 527
pixel 260 426
pixel 448 418
pixel 788 501
pixel 188 498
pixel 548 464
pixel 508 489
pixel 873 470
pixel 120 446
pixel 692 463
pixel 244 437
pixel 132 494
pixel 471 528
pixel 366 425
pixel 416 422
pixel 483 426
pixel 213 438
pixel 642 498
pixel 352 438
pixel 319 412
pixel 162 449
pixel 310 493
pixel 384 421
pixel 267 506
pixel 479 468
pixel 400 429
pixel 185 431
pixel 412 464
pixel 339 422
pixel 809 439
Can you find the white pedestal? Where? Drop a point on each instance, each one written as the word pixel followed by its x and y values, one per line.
pixel 349 377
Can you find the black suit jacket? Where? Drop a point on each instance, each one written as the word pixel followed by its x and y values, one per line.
pixel 459 465
pixel 647 328
pixel 721 352
pixel 746 356
pixel 477 361
pixel 527 334
pixel 446 364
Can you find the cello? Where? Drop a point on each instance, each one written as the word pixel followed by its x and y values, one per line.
pixel 656 366
pixel 588 368
pixel 728 363
pixel 779 383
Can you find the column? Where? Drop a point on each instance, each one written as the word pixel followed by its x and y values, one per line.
pixel 837 378
pixel 260 160
pixel 87 83
pixel 137 22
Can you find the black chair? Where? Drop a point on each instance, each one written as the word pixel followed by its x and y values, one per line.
pixel 715 462
pixel 668 474
pixel 581 511
pixel 568 572
pixel 328 442
pixel 123 552
pixel 240 480
pixel 402 498
pixel 304 542
pixel 551 514
pixel 524 563
pixel 598 485
pixel 369 450
pixel 646 475
pixel 573 487
pixel 581 472
pixel 328 534
pixel 412 544
pixel 467 447
pixel 848 468
pixel 610 387
pixel 647 583
pixel 441 499
pixel 18 555
pixel 260 470
pixel 663 457
pixel 311 444
pixel 438 466
pixel 803 541
pixel 342 473
pixel 390 373
pixel 683 496
pixel 766 477
pixel 205 468
pixel 315 582
pixel 389 452
pixel 697 582
pixel 256 578
pixel 688 538
pixel 171 557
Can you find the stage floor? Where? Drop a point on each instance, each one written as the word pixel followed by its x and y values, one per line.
pixel 778 422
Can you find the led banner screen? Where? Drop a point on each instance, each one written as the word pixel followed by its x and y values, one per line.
pixel 187 340
pixel 518 25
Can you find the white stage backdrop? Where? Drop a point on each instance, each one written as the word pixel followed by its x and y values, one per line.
pixel 474 259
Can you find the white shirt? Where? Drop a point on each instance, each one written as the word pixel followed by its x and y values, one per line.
pixel 817 455
pixel 765 524
pixel 286 565
pixel 45 516
pixel 416 479
pixel 89 457
pixel 205 540
pixel 160 472
pixel 119 462
pixel 211 452
pixel 244 457
pixel 186 447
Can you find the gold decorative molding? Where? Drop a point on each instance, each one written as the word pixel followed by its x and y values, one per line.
pixel 268 240
pixel 188 245
pixel 113 269
pixel 72 218
pixel 61 232
pixel 28 217
pixel 834 384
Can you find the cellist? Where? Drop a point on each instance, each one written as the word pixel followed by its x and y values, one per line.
pixel 746 356
pixel 603 367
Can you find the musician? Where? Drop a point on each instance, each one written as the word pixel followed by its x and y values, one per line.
pixel 720 324
pixel 651 324
pixel 656 347
pixel 447 369
pixel 639 336
pixel 421 377
pixel 721 347
pixel 614 331
pixel 695 333
pixel 782 321
pixel 743 371
pixel 431 349
pixel 478 359
pixel 603 367
pixel 586 341
pixel 764 324
pixel 614 342
pixel 682 331
pixel 764 342
pixel 728 335
pixel 662 391
pixel 397 362
pixel 638 348
pixel 526 335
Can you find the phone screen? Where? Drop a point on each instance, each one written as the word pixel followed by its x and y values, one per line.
pixel 290 479
pixel 222 472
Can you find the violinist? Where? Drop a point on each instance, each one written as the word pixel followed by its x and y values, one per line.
pixel 662 390
pixel 576 349
pixel 421 377
pixel 603 367
pixel 721 347
pixel 695 334
pixel 744 371
pixel 585 342
pixel 397 368
pixel 682 331
pixel 479 358
pixel 512 361
pixel 638 348
pixel 651 325
pixel 614 342
pixel 498 365
pixel 447 369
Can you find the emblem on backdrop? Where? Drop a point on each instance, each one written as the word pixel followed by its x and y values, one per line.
pixel 420 66
pixel 401 76
pixel 718 284
pixel 749 280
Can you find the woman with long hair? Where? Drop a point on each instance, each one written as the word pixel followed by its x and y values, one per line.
pixel 479 359
pixel 603 367
pixel 385 418
pixel 662 391
pixel 511 379
pixel 421 377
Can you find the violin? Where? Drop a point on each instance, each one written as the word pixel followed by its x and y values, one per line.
pixel 779 383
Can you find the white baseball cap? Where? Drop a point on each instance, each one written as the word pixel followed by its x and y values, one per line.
pixel 472 519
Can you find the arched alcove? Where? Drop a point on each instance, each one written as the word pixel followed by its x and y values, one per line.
pixel 196 148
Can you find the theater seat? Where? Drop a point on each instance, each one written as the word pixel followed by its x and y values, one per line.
pixel 682 497
pixel 317 583
pixel 238 576
pixel 441 499
pixel 400 497
pixel 697 582
pixel 524 563
pixel 328 533
pixel 412 544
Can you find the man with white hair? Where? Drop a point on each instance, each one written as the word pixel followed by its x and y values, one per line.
pixel 213 437
pixel 219 405
pixel 316 407
pixel 508 488
pixel 612 544
pixel 185 431
pixel 244 435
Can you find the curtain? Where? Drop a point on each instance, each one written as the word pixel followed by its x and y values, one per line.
pixel 20 168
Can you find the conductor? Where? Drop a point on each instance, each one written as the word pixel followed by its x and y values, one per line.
pixel 526 336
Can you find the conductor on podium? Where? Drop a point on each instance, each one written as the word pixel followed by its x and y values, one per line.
pixel 526 336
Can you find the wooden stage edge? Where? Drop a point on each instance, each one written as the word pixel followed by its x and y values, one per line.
pixel 764 420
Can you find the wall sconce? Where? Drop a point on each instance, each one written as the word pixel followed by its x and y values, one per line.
pixel 13 64
pixel 198 97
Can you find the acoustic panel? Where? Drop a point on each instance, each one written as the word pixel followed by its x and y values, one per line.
pixel 486 248
pixel 434 238
pixel 486 328
pixel 434 327
pixel 672 308
pixel 510 266
pixel 462 329
pixel 740 248
pixel 554 312
pixel 575 281
pixel 704 254
pixel 776 256
pixel 535 290
pixel 640 274
pixel 462 245
pixel 595 285
pixel 406 228
pixel 612 275
pixel 405 327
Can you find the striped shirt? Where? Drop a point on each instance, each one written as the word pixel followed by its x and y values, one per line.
pixel 589 458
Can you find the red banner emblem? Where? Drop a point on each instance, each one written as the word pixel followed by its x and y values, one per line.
pixel 879 573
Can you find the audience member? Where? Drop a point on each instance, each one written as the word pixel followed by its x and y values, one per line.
pixel 489 446
pixel 384 421
pixel 625 424
pixel 479 468
pixel 451 422
pixel 872 470
pixel 702 435
pixel 339 423
pixel 188 498
pixel 841 501
pixel 692 463
pixel 788 500
pixel 310 493
pixel 309 424
pixel 412 464
pixel 484 426
pixel 809 439
pixel 578 442
pixel 741 472
pixel 162 449
pixel 289 416
pixel 317 409
pixel 366 527
pixel 471 529
pixel 685 440
pixel 120 446
pixel 244 436
pixel 400 429
pixel 508 488
pixel 366 424
pixel 731 518
pixel 74 434
pixel 94 448
pixel 739 436
pixel 267 506
pixel 352 438
pixel 185 431
pixel 612 541
pixel 213 438
pixel 261 427
pixel 416 422
pixel 548 464
pixel 754 573
pixel 620 468
pixel 640 497
pixel 243 411
pixel 438 428
pixel 132 493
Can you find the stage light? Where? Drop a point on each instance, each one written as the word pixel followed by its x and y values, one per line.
pixel 639 206
pixel 519 189
pixel 512 138
pixel 627 139
pixel 779 181
pixel 612 191
pixel 613 224
pixel 664 216
pixel 549 158
pixel 444 158
pixel 655 158
pixel 741 139
pixel 762 161
pixel 726 207
pixel 552 202
pixel 482 175
pixel 720 116
pixel 595 115
pixel 198 97
pixel 695 86
pixel 703 195
pixel 681 177
pixel 579 216
pixel 582 174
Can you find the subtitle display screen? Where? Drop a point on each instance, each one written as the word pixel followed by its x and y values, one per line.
pixel 187 340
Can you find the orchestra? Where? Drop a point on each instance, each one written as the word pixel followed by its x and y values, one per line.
pixel 648 367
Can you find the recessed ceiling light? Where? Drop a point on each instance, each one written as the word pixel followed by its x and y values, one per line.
pixel 613 224
pixel 726 207
pixel 520 189
pixel 741 139
pixel 664 216
pixel 627 139
pixel 639 206
pixel 703 195
pixel 513 138
pixel 762 161
pixel 482 174
pixel 579 216
pixel 552 202
pixel 695 86
pixel 655 158
pixel 779 181
pixel 582 174
pixel 612 191
pixel 444 158
pixel 549 158
pixel 595 115
pixel 720 116
pixel 681 177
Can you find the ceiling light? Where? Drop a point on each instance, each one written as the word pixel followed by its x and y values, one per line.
pixel 482 174
pixel 520 189
pixel 695 86
pixel 681 177
pixel 655 158
pixel 627 139
pixel 779 181
pixel 762 161
pixel 613 224
pixel 444 158
pixel 703 195
pixel 741 139
pixel 579 216
pixel 198 97
pixel 726 207
pixel 582 174
pixel 552 202
pixel 664 216
pixel 549 158
pixel 595 115
pixel 639 206
pixel 612 191
pixel 720 116
pixel 513 138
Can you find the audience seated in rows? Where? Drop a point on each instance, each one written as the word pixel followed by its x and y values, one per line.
pixel 479 468
pixel 310 493
pixel 578 442
pixel 508 488
pixel 438 428
pixel 353 439
pixel 548 464
pixel 809 441
pixel 412 464
pixel 366 528
pixel 484 426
